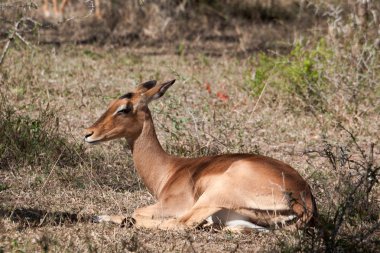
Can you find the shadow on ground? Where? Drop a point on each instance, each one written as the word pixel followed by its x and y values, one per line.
pixel 31 217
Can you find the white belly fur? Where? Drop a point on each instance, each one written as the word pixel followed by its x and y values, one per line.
pixel 231 219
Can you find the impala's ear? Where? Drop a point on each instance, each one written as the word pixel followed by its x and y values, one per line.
pixel 154 93
pixel 143 87
pixel 159 90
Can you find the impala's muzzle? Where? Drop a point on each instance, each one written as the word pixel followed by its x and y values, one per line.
pixel 87 136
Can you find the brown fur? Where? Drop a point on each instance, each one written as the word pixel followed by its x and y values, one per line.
pixel 263 189
pixel 59 11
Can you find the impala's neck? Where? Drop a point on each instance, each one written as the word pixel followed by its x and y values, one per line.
pixel 151 161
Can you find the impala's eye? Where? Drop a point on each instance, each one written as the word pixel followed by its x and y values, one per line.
pixel 124 109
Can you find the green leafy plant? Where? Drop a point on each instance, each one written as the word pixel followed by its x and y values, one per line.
pixel 299 73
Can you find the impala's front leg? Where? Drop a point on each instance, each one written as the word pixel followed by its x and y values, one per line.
pixel 147 217
pixel 144 213
pixel 152 216
pixel 55 8
pixel 147 212
pixel 45 8
pixel 171 217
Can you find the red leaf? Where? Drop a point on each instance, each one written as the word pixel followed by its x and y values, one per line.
pixel 222 96
pixel 208 87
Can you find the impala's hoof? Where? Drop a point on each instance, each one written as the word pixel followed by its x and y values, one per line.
pixel 209 227
pixel 95 219
pixel 99 218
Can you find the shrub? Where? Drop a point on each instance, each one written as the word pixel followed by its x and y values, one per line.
pixel 299 73
pixel 33 141
pixel 347 198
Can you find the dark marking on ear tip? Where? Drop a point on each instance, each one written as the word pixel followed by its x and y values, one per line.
pixel 148 85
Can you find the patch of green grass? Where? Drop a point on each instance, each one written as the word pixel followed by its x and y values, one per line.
pixel 181 48
pixel 3 187
pixel 91 54
pixel 299 73
pixel 130 59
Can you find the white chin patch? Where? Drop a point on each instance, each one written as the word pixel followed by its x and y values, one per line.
pixel 90 140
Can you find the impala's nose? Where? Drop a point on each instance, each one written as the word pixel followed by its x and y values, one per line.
pixel 88 134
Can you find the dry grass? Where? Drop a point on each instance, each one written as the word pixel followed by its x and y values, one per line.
pixel 318 112
pixel 77 86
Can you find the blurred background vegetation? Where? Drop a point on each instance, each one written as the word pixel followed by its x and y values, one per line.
pixel 244 26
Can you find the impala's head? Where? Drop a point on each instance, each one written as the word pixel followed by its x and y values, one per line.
pixel 125 116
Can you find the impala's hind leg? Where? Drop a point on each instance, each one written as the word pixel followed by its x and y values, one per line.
pixel 229 211
pixel 198 215
pixel 221 218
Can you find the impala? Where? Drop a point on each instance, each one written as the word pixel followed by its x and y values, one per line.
pixel 237 191
pixel 58 12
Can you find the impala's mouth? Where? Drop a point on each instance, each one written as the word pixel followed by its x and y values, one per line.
pixel 88 139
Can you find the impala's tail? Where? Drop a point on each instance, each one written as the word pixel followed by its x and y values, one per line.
pixel 313 220
pixel 307 211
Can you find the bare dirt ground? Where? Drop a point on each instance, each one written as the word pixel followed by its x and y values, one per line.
pixel 47 200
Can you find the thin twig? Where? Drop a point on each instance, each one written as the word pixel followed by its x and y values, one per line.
pixel 257 102
pixel 22 39
pixel 14 34
pixel 52 169
pixel 5 49
pixel 353 138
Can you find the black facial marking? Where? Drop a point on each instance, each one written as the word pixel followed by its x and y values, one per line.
pixel 149 85
pixel 128 95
